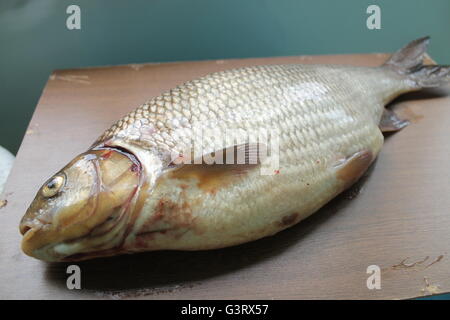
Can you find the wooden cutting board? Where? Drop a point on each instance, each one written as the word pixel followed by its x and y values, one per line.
pixel 397 217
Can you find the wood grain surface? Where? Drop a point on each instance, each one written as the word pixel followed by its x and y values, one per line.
pixel 396 217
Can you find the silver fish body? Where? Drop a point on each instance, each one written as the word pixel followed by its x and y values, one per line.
pixel 322 115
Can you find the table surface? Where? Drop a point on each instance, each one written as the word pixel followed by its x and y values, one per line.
pixel 397 217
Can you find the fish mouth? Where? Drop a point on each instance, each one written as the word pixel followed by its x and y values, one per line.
pixel 56 252
pixel 28 248
pixel 69 250
pixel 31 229
pixel 35 224
pixel 24 229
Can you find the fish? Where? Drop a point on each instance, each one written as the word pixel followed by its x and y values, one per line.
pixel 231 157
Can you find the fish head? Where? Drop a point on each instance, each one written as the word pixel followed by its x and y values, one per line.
pixel 82 209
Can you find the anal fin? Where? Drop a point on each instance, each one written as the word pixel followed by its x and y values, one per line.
pixel 390 122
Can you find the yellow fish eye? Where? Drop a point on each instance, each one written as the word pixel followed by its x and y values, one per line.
pixel 53 186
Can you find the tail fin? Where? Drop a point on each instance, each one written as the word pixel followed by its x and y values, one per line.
pixel 408 61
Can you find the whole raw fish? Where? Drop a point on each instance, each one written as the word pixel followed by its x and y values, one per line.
pixel 228 158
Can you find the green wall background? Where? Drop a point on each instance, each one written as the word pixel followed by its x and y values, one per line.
pixel 34 39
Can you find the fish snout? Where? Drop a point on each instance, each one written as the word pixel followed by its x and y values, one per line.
pixel 37 230
pixel 29 233
pixel 35 218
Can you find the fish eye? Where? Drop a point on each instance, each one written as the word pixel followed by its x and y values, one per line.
pixel 53 186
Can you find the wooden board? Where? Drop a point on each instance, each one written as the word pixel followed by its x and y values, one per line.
pixel 398 217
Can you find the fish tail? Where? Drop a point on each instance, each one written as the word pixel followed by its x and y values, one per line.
pixel 409 61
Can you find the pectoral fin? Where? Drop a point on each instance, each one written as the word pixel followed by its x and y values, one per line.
pixel 216 170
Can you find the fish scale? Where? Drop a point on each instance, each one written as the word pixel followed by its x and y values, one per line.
pixel 128 193
pixel 261 111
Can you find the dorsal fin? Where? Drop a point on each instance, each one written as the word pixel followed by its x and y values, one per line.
pixel 410 56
